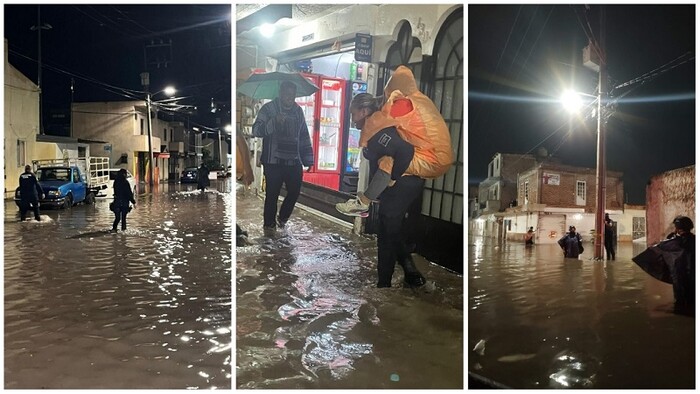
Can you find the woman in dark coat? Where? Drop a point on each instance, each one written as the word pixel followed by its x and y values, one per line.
pixel 123 195
pixel 202 177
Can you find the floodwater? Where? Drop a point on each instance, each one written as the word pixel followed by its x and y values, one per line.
pixel 145 308
pixel 308 314
pixel 537 320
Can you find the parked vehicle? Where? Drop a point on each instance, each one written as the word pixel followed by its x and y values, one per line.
pixel 223 172
pixel 189 175
pixel 108 192
pixel 67 182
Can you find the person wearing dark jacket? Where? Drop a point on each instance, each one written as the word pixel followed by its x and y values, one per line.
pixel 30 192
pixel 286 150
pixel 684 268
pixel 609 238
pixel 123 195
pixel 571 243
pixel 202 177
pixel 394 200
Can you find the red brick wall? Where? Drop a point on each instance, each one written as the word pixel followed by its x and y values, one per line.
pixel 564 194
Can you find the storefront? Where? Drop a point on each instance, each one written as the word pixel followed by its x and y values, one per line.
pixel 331 51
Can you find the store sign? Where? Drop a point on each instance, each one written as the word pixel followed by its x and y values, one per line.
pixel 363 47
pixel 550 179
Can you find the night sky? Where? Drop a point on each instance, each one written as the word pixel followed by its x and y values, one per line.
pixel 522 57
pixel 107 44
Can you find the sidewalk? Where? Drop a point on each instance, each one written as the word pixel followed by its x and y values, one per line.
pixel 309 314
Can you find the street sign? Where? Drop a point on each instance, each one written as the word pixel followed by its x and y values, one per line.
pixel 363 47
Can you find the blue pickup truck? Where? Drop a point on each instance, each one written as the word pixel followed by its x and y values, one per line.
pixel 70 181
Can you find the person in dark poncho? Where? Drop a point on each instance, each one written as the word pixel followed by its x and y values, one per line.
pixel 123 195
pixel 570 243
pixel 29 193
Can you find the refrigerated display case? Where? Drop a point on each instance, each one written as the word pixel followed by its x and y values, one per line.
pixel 327 129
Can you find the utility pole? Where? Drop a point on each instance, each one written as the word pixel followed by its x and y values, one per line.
pixel 39 27
pixel 149 157
pixel 601 172
pixel 72 90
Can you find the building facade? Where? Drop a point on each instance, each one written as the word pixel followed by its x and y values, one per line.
pixel 123 126
pixel 500 189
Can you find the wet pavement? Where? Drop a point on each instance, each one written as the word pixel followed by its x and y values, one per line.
pixel 537 320
pixel 146 308
pixel 308 314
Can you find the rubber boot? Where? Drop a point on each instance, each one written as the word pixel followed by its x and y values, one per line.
pixel 411 276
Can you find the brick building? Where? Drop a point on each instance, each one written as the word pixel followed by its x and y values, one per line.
pixel 564 186
pixel 500 189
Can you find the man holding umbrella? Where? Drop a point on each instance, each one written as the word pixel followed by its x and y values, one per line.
pixel 286 148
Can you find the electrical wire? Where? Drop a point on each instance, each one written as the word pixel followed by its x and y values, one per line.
pixel 657 71
pixel 536 41
pixel 523 38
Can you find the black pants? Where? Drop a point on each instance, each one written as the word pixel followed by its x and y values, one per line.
pixel 609 249
pixel 391 246
pixel 25 206
pixel 275 176
pixel 120 212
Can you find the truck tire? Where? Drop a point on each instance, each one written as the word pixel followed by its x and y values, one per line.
pixel 90 199
pixel 68 202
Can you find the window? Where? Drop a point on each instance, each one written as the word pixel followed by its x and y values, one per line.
pixel 142 126
pixel 526 188
pixel 21 153
pixel 639 227
pixel 165 135
pixel 580 193
pixel 76 177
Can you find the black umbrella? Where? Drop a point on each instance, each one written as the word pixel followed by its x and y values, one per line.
pixel 267 86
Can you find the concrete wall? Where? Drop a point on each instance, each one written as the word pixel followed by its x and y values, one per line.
pixel 668 195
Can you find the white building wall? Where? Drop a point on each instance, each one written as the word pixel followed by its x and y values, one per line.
pixel 119 124
pixel 381 21
pixel 21 122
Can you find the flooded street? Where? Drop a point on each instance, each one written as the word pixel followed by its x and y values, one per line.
pixel 537 320
pixel 308 314
pixel 146 308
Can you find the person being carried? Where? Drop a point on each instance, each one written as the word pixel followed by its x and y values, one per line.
pixel 417 121
pixel 30 192
pixel 123 195
pixel 571 243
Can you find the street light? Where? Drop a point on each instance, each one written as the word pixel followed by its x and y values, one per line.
pixel 601 171
pixel 169 90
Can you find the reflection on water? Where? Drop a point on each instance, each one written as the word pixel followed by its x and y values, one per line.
pixel 146 308
pixel 537 320
pixel 309 316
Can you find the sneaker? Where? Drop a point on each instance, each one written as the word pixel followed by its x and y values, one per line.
pixel 353 207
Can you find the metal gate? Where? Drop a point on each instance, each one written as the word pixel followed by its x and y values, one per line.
pixel 550 228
